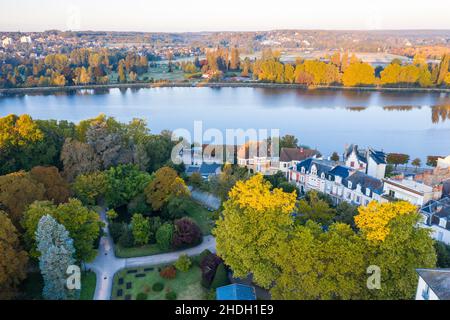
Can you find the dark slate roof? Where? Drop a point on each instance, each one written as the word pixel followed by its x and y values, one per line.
pixel 323 166
pixel 340 171
pixel 236 292
pixel 438 280
pixel 296 154
pixel 378 156
pixel 366 181
pixel 207 169
pixel 437 209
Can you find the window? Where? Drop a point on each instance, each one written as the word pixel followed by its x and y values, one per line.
pixel 392 193
pixel 303 169
pixel 349 184
pixel 322 175
pixel 358 199
pixel 368 192
pixel 352 164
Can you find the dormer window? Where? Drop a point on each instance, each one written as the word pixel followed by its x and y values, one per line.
pixel 322 175
pixel 368 192
pixel 349 184
pixel 303 169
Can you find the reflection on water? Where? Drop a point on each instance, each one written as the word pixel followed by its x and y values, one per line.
pixel 324 119
pixel 440 113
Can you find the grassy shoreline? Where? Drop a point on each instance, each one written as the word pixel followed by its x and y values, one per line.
pixel 143 85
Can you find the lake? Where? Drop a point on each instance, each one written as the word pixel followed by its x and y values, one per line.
pixel 414 123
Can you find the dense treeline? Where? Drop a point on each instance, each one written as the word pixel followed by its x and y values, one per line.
pixel 84 67
pixel 54 174
pixel 80 67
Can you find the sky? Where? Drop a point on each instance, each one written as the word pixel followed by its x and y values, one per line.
pixel 228 15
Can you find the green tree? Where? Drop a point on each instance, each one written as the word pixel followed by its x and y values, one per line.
pixel 335 157
pixel 164 236
pixel 89 188
pixel 315 209
pixel 288 141
pixel 140 227
pixel 397 158
pixel 13 260
pixel 416 163
pixel 123 183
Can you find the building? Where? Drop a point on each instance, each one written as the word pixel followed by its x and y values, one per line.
pixel 6 42
pixel 290 157
pixel 236 292
pixel 25 39
pixel 436 214
pixel 205 170
pixel 439 175
pixel 434 284
pixel 370 162
pixel 342 183
pixel 256 157
pixel 409 190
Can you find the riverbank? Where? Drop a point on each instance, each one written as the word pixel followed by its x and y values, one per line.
pixel 38 90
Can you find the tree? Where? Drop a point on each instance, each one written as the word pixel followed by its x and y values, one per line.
pixel 123 183
pixel 56 188
pixel 196 180
pixel 443 69
pixel 82 224
pixel 183 263
pixel 121 72
pixel 13 260
pixel 320 265
pixel 443 254
pixel 17 134
pixel 165 184
pixel 56 255
pixel 209 264
pixel 254 211
pixel 398 245
pixel 235 60
pixel 359 74
pixel 335 157
pixel 416 163
pixel 220 278
pixel 397 158
pixel 187 233
pixel 315 209
pixel 90 187
pixel 78 158
pixel 164 236
pixel 140 227
pixel 288 141
pixel 17 191
pixel 176 208
pixel 345 213
pixel 432 160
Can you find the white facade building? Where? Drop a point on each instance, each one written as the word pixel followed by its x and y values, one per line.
pixel 409 190
pixel 436 214
pixel 370 162
pixel 434 284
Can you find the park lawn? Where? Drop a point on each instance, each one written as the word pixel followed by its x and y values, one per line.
pixel 88 283
pixel 147 250
pixel 201 216
pixel 187 285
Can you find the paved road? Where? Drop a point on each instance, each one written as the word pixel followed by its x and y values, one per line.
pixel 106 264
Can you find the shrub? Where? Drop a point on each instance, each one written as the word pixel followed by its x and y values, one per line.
pixel 209 266
pixel 164 236
pixel 187 234
pixel 126 239
pixel 196 180
pixel 176 208
pixel 168 272
pixel 210 295
pixel 140 227
pixel 171 295
pixel 155 224
pixel 138 205
pixel 116 229
pixel 111 215
pixel 183 263
pixel 141 296
pixel 220 278
pixel 158 287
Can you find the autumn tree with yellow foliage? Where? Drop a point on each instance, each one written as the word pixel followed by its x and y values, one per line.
pixel 259 235
pixel 254 224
